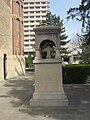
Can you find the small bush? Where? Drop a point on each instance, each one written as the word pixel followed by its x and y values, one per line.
pixel 75 74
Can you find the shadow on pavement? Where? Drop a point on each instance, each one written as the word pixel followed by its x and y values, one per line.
pixel 22 89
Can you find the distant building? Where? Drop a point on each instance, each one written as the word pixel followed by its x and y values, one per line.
pixel 34 12
pixel 74 55
pixel 11 64
pixel 74 59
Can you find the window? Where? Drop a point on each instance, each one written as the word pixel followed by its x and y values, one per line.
pixel 32 35
pixel 37 3
pixel 17 24
pixel 25 26
pixel 17 8
pixel 26 40
pixel 31 25
pixel 31 7
pixel 37 25
pixel 37 7
pixel 43 16
pixel 17 33
pixel 32 3
pixel 31 21
pixel 25 7
pixel 43 6
pixel 32 40
pixel 21 13
pixel 26 30
pixel 26 35
pixel 26 45
pixel 17 29
pixel 43 11
pixel 26 3
pixel 25 21
pixel 31 30
pixel 37 11
pixel 31 16
pixel 25 16
pixel 43 2
pixel 25 12
pixel 37 16
pixel 31 12
pixel 38 21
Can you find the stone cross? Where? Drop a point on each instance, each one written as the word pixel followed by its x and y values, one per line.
pixel 48 49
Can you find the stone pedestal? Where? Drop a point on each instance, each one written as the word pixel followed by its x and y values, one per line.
pixel 48 68
pixel 48 84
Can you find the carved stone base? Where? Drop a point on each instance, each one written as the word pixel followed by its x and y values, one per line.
pixel 48 84
pixel 53 99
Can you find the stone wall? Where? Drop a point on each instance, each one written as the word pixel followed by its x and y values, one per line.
pixel 19 62
pixel 5 37
pixel 10 65
pixel 5 27
pixel 8 2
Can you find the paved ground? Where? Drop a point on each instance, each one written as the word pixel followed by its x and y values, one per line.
pixel 16 93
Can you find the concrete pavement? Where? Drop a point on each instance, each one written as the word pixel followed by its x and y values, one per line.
pixel 16 93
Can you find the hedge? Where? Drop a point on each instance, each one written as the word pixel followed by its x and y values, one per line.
pixel 75 74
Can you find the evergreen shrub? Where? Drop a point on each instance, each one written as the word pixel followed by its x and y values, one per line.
pixel 75 74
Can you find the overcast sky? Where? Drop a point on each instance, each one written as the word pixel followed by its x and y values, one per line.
pixel 60 7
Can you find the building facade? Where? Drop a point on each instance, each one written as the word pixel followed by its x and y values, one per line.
pixel 18 36
pixel 34 12
pixel 8 2
pixel 11 65
pixel 17 27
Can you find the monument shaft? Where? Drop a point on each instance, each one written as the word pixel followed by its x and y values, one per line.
pixel 48 71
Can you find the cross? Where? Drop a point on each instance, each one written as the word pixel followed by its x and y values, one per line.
pixel 48 49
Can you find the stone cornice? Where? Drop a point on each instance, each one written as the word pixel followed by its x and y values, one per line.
pixel 47 29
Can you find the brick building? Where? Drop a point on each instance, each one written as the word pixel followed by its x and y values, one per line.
pixel 12 62
pixel 17 27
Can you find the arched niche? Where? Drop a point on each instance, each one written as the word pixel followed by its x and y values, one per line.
pixel 47 36
pixel 47 48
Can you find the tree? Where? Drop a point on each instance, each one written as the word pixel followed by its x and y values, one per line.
pixel 55 20
pixel 29 61
pixel 85 44
pixel 82 13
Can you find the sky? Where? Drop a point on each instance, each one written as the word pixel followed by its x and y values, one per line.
pixel 60 8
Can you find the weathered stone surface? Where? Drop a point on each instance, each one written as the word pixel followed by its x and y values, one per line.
pixel 10 65
pixel 16 93
pixel 5 28
pixel 48 71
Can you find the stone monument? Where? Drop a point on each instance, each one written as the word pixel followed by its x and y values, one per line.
pixel 48 68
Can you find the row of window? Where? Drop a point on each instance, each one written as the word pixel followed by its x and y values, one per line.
pixel 32 40
pixel 28 30
pixel 29 35
pixel 27 45
pixel 43 7
pixel 32 26
pixel 35 16
pixel 32 12
pixel 32 3
pixel 32 21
